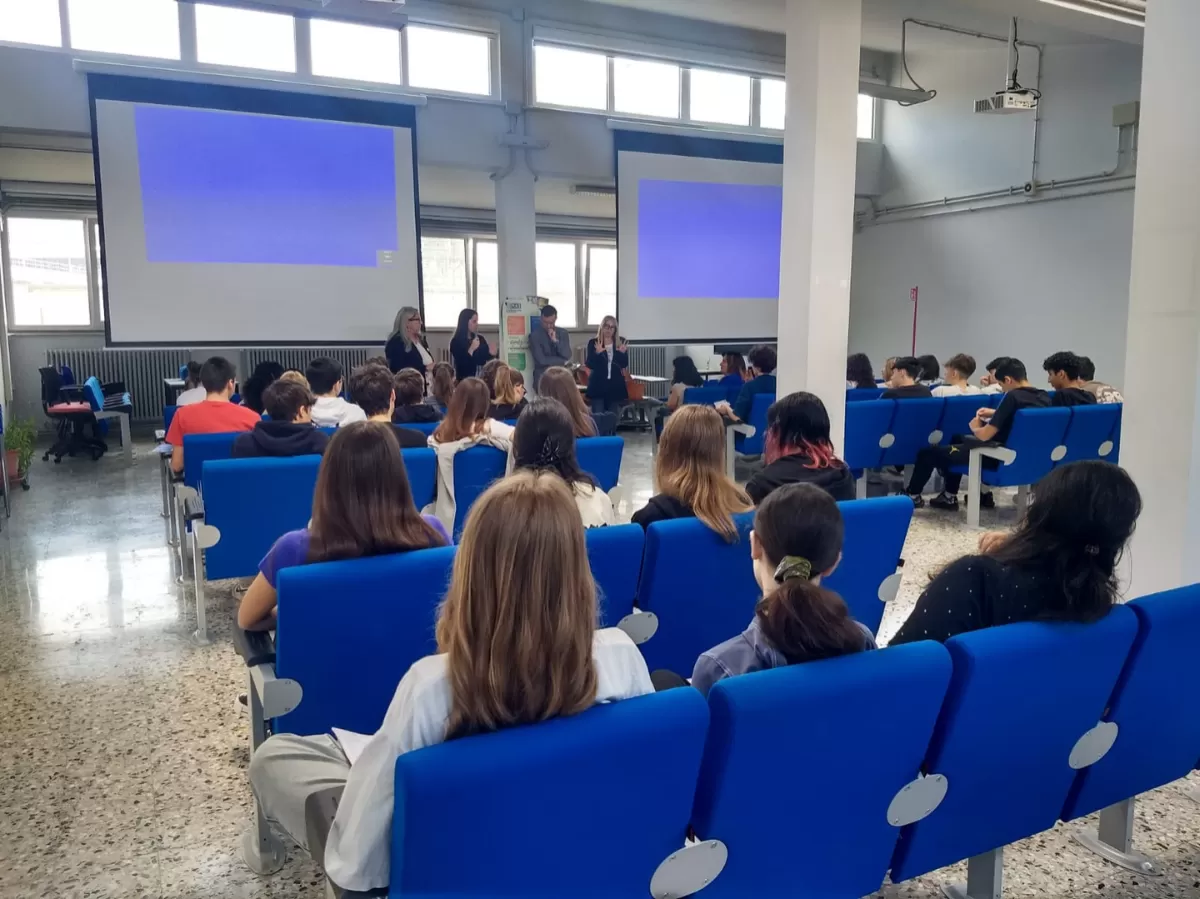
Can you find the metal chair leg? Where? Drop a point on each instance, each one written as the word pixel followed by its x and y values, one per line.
pixel 985 878
pixel 1113 841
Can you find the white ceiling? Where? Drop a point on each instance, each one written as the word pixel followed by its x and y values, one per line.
pixel 1040 21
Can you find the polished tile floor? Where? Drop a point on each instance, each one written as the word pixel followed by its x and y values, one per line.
pixel 123 750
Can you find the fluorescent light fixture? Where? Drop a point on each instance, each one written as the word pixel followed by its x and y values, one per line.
pixel 1128 12
pixel 898 94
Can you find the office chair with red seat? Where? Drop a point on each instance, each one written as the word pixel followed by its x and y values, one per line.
pixel 66 405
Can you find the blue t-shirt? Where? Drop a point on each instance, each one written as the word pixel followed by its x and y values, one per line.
pixel 291 550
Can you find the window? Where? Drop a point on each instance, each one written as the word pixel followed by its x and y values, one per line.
pixel 602 283
pixel 226 36
pixel 646 88
pixel 357 52
pixel 563 77
pixel 556 278
pixel 444 278
pixel 772 99
pixel 487 282
pixel 721 97
pixel 131 27
pixel 48 272
pixel 30 22
pixel 444 60
pixel 866 117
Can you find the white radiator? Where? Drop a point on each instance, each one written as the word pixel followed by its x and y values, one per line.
pixel 651 360
pixel 298 357
pixel 141 370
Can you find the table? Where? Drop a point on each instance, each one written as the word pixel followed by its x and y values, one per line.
pixel 126 440
pixel 732 428
pixel 172 387
pixel 649 379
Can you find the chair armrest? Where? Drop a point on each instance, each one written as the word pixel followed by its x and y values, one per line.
pixel 193 508
pixel 1002 453
pixel 113 388
pixel 255 647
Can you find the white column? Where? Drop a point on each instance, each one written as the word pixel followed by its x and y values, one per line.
pixel 1160 439
pixel 819 155
pixel 516 229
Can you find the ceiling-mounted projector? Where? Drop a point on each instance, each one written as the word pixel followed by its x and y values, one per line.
pixel 1013 98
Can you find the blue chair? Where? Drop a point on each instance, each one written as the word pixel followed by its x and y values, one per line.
pixel 474 471
pixel 421 467
pixel 201 448
pixel 869 576
pixel 1092 433
pixel 168 415
pixel 701 588
pixel 861 394
pixel 732 392
pixel 705 396
pixel 425 427
pixel 868 434
pixel 348 672
pixel 601 458
pixel 821 828
pixel 615 555
pixel 914 427
pixel 957 415
pixel 1157 716
pixel 995 399
pixel 599 799
pixel 1021 698
pixel 754 445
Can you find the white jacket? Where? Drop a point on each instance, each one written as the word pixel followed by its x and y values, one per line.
pixel 333 412
pixel 494 433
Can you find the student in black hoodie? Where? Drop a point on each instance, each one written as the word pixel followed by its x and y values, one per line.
pixel 290 431
pixel 372 388
pixel 1064 371
pixel 905 384
pixel 798 450
pixel 410 399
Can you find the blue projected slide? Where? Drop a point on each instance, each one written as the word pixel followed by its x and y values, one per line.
pixel 228 187
pixel 701 239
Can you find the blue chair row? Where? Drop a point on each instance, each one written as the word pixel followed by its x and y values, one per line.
pixel 710 394
pixel 858 394
pixel 992 738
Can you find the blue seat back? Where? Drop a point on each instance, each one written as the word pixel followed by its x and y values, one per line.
pixel 254 502
pixel 701 588
pixel 861 394
pixel 914 422
pixel 874 540
pixel 94 393
pixel 601 458
pixel 1036 433
pixel 421 467
pixel 615 555
pixel 867 423
pixel 347 670
pixel 820 828
pixel 732 392
pixel 1155 707
pixel 168 414
pixel 1092 432
pixel 704 396
pixel 958 413
pixel 754 445
pixel 1021 697
pixel 995 399
pixel 425 427
pixel 474 471
pixel 586 806
pixel 201 448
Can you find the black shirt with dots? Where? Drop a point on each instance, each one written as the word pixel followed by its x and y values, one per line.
pixel 977 592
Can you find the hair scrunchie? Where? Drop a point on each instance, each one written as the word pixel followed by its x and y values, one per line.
pixel 793 567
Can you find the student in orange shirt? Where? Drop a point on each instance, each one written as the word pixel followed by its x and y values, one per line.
pixel 215 415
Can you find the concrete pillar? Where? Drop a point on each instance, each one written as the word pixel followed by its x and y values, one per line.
pixel 1160 439
pixel 516 229
pixel 819 155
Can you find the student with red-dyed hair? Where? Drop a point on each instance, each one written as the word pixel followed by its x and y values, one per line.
pixel 798 450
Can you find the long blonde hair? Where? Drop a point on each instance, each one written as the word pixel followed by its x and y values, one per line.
pixel 518 619
pixel 558 384
pixel 691 468
pixel 400 326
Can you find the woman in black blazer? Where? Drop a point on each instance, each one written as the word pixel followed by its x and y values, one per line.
pixel 469 350
pixel 607 359
pixel 406 348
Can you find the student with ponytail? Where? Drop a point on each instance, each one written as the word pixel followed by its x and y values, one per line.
pixel 797 540
pixel 544 440
pixel 1058 565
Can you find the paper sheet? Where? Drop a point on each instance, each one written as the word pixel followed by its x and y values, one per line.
pixel 352 743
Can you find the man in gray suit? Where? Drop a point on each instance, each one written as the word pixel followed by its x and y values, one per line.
pixel 549 345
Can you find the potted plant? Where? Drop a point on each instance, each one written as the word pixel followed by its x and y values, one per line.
pixel 19 437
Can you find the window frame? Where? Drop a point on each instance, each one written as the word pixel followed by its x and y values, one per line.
pixel 88 222
pixel 493 44
pixel 64 7
pixel 305 65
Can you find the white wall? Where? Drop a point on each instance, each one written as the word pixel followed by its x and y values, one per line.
pixel 1023 279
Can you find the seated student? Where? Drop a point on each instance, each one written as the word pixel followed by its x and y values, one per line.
pixel 517 644
pixel 488 375
pixel 689 474
pixel 509 399
pixel 558 384
pixel 289 431
pixel 955 378
pixel 265 374
pixel 762 369
pixel 683 376
pixel 296 377
pixel 990 427
pixel 797 449
pixel 796 541
pixel 1059 565
pixel 859 372
pixel 733 370
pixel 544 440
pixel 989 382
pixel 904 384
pixel 1063 372
pixel 193 391
pixel 373 391
pixel 362 506
pixel 410 399
pixel 1104 393
pixel 215 414
pixel 325 380
pixel 441 386
pixel 889 368
pixel 931 372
